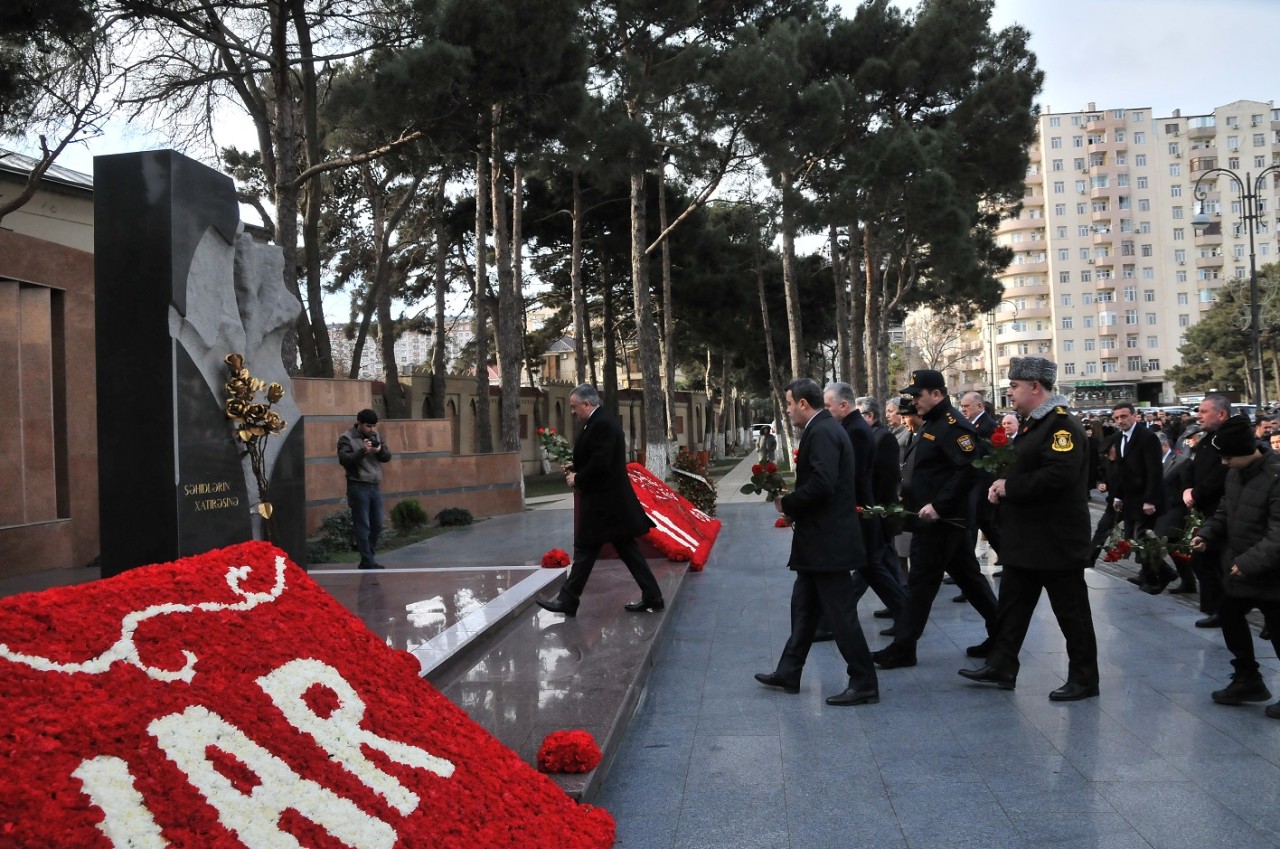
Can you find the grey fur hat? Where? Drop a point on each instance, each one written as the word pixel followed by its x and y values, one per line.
pixel 1034 368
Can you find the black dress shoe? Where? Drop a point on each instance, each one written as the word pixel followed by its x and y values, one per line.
pixel 982 649
pixel 853 696
pixel 1072 692
pixel 960 598
pixel 1181 589
pixel 645 604
pixel 1210 621
pixel 987 675
pixel 1264 634
pixel 772 679
pixel 894 657
pixel 947 579
pixel 559 606
pixel 882 613
pixel 1164 578
pixel 999 573
pixel 371 566
pixel 892 631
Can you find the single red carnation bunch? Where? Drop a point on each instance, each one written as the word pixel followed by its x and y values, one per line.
pixel 999 438
pixel 783 522
pixel 555 558
pixel 568 751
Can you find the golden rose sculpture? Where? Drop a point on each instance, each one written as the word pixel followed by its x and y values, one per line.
pixel 254 421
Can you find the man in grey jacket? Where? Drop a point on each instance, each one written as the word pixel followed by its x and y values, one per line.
pixel 362 452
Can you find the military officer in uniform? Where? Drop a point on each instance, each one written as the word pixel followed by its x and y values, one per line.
pixel 1044 502
pixel 937 490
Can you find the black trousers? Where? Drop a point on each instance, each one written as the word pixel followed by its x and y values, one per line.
pixel 881 576
pixel 584 557
pixel 1069 596
pixel 828 595
pixel 1236 633
pixel 1207 566
pixel 939 547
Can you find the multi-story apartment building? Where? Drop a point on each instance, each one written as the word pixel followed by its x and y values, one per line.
pixel 1108 271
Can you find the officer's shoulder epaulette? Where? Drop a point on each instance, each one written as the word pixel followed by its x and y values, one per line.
pixel 1060 410
pixel 951 419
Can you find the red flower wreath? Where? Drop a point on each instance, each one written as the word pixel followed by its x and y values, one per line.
pixel 555 558
pixel 568 751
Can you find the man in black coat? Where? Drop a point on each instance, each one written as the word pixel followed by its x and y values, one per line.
pixel 937 479
pixel 1174 468
pixel 608 511
pixel 1045 504
pixel 1208 483
pixel 825 545
pixel 879 574
pixel 1136 489
pixel 985 514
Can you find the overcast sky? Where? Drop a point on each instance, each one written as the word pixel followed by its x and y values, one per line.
pixel 1191 55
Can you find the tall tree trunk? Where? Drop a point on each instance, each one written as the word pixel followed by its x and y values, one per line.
pixel 791 286
pixel 510 323
pixel 362 332
pixel 439 352
pixel 779 403
pixel 840 281
pixel 581 329
pixel 668 313
pixel 609 391
pixel 484 427
pixel 877 334
pixel 655 432
pixel 857 319
pixel 517 267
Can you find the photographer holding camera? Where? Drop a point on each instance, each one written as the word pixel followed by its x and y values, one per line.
pixel 362 452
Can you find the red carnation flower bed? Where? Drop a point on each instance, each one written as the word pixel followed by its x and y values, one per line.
pixel 682 531
pixel 226 700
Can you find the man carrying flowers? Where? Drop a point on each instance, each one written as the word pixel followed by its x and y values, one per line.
pixel 362 452
pixel 1044 502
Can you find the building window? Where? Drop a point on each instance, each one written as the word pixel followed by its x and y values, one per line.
pixel 1177 212
pixel 1059 187
pixel 1130 316
pixel 1131 293
pixel 1178 234
pixel 1057 165
pixel 1175 191
pixel 1139 159
pixel 1068 368
pixel 1180 276
pixel 1077 141
pixel 1140 137
pixel 1184 320
pixel 1259 140
pixel 1086 277
pixel 1153 365
pixel 1068 344
pixel 1064 254
pixel 1180 256
pixel 1153 341
pixel 1144 205
pixel 1055 142
pixel 1082 231
pixel 1066 300
pixel 1142 182
pixel 1134 363
pixel 1090 344
pixel 1064 277
pixel 1108 366
pixel 1088 323
pixel 1055 121
pixel 1149 295
pixel 1091 368
pixel 1066 322
pixel 1131 341
pixel 1059 209
pixel 1151 318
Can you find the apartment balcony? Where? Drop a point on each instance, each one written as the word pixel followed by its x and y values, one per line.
pixel 1210 261
pixel 1104 124
pixel 1103 237
pixel 1028 268
pixel 1210 236
pixel 1014 225
pixel 1034 178
pixel 1201 164
pixel 1196 133
pixel 1035 246
pixel 1104 192
pixel 1011 288
pixel 1109 147
pixel 1104 262
pixel 1008 338
pixel 1035 312
pixel 1101 217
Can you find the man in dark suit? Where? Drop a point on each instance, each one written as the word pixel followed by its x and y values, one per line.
pixel 1174 469
pixel 1136 488
pixel 1045 498
pixel 880 574
pixel 985 516
pixel 825 546
pixel 609 511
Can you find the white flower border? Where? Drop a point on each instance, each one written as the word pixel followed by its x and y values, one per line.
pixel 124 648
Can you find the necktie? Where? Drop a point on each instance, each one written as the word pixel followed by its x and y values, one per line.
pixel 1124 445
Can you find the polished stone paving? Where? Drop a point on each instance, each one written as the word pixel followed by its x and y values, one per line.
pixel 712 759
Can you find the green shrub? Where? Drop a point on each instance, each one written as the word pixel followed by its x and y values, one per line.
pixel 702 493
pixel 407 515
pixel 317 551
pixel 339 531
pixel 454 516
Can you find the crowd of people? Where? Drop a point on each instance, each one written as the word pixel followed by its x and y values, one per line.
pixel 927 478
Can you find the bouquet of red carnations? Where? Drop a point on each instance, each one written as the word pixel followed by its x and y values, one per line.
pixel 765 478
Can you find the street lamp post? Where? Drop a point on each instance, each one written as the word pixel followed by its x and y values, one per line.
pixel 1249 188
pixel 993 368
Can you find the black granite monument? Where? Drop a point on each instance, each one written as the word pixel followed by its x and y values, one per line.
pixel 180 285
